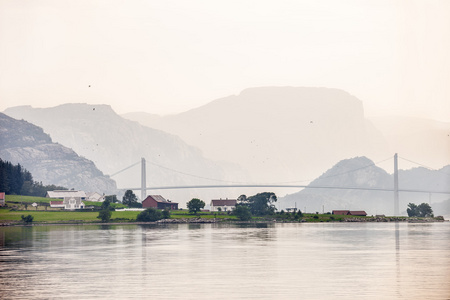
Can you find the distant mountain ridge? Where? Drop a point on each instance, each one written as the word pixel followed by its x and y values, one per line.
pixel 51 163
pixel 362 172
pixel 277 133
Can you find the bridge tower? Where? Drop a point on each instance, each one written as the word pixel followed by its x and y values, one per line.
pixel 143 180
pixel 396 204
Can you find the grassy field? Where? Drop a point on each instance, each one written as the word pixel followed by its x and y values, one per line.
pixel 65 216
pixel 24 203
pixel 26 199
pixel 21 205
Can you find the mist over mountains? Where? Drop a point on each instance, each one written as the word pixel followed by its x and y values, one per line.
pixel 48 162
pixel 114 143
pixel 277 133
pixel 263 135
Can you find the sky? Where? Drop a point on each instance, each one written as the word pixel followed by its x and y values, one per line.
pixel 165 56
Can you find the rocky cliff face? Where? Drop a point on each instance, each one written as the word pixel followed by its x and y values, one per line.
pixel 51 163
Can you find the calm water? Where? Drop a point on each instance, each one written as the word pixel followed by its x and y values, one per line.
pixel 275 261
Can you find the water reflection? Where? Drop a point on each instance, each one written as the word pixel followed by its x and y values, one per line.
pixel 226 261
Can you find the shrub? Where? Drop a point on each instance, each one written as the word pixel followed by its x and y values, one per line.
pixel 316 217
pixel 242 213
pixel 27 219
pixel 104 215
pixel 149 215
pixel 166 214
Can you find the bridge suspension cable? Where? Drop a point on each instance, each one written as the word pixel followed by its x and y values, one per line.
pixel 422 165
pixel 125 169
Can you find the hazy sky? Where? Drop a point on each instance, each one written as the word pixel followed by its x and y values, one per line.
pixel 163 56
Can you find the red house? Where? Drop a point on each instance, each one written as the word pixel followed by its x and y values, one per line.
pixel 2 199
pixel 158 201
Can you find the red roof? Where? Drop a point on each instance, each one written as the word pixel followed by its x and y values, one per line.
pixel 223 202
pixel 159 198
pixel 358 213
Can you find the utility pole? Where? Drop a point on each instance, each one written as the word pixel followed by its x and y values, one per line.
pixel 143 180
pixel 396 210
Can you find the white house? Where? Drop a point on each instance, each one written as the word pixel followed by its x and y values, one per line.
pixel 68 203
pixel 73 203
pixel 223 204
pixel 94 196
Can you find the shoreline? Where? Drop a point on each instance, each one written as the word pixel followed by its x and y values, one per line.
pixel 438 219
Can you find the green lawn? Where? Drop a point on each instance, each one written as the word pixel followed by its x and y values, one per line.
pixel 26 199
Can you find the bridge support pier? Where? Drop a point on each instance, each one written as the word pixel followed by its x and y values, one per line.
pixel 396 204
pixel 143 180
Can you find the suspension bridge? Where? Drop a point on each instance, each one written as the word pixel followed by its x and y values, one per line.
pixel 396 190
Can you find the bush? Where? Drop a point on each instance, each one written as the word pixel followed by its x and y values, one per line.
pixel 27 219
pixel 104 215
pixel 316 217
pixel 166 214
pixel 149 215
pixel 242 213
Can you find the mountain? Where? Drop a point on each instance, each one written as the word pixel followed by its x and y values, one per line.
pixel 362 172
pixel 277 133
pixel 51 163
pixel 114 143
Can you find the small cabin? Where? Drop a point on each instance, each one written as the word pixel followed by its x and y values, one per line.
pixel 158 202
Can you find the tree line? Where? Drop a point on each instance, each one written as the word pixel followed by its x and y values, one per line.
pixel 16 180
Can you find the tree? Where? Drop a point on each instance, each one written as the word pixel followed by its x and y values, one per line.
pixel 149 215
pixel 104 215
pixel 106 205
pixel 412 210
pixel 112 198
pixel 425 210
pixel 260 204
pixel 195 205
pixel 242 213
pixel 130 199
pixel 422 210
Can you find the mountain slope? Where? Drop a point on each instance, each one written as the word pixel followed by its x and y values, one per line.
pixel 277 133
pixel 51 163
pixel 114 143
pixel 362 172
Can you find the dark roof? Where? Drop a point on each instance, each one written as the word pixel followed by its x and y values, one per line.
pixel 358 213
pixel 160 199
pixel 223 202
pixel 341 212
